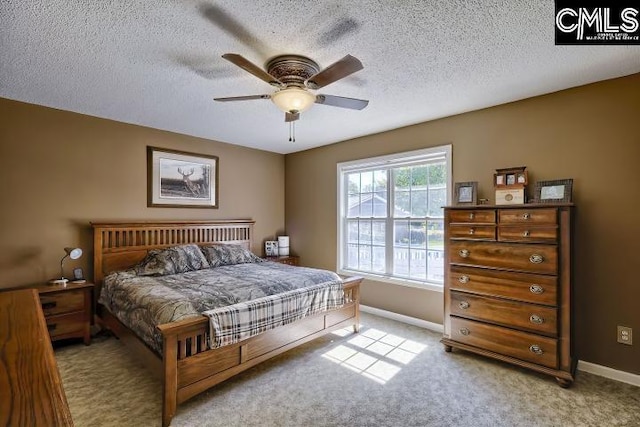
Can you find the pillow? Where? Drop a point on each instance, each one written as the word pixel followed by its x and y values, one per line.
pixel 177 259
pixel 219 255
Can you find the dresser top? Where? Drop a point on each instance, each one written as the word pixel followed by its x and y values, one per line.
pixel 523 206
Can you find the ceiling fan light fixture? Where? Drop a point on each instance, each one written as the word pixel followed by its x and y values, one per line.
pixel 293 99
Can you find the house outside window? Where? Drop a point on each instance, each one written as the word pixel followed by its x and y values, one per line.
pixel 390 216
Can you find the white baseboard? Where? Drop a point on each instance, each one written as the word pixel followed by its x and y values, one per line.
pixel 402 318
pixel 614 374
pixel 592 368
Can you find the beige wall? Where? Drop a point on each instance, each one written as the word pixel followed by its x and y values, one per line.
pixel 589 133
pixel 61 170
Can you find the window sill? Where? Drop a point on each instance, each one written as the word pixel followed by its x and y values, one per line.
pixel 394 280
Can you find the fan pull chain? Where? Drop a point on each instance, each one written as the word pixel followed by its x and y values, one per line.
pixel 292 131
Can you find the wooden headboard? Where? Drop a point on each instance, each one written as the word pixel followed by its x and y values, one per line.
pixel 120 245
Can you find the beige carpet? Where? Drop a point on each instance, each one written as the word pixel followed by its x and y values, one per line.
pixel 390 374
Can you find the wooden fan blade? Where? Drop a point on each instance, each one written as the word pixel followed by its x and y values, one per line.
pixel 291 117
pixel 336 71
pixel 252 68
pixel 242 98
pixel 342 102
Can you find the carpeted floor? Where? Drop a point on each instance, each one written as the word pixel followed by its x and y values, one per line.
pixel 390 374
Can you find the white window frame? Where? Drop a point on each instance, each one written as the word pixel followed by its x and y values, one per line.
pixel 390 161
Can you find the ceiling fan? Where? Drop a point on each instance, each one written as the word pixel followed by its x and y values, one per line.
pixel 296 76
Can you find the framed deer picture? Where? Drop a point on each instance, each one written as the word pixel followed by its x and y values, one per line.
pixel 180 179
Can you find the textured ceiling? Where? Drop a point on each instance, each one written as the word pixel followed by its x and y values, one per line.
pixel 158 63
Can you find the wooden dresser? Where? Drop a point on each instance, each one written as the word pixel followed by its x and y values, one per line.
pixel 508 285
pixel 30 385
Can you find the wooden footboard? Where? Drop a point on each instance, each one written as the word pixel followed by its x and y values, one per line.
pixel 186 366
pixel 190 368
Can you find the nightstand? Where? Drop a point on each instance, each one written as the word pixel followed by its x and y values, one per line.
pixel 285 259
pixel 67 310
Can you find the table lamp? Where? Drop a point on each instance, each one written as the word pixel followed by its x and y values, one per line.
pixel 73 253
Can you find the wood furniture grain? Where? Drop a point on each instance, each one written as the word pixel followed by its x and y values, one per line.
pixel 508 285
pixel 30 384
pixel 67 310
pixel 285 259
pixel 187 366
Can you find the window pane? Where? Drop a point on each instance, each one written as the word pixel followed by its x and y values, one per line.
pixel 402 204
pixel 437 199
pixel 401 262
pixel 354 183
pixel 365 233
pixel 354 206
pixel 352 256
pixel 418 264
pixel 379 235
pixel 418 234
pixel 402 178
pixel 366 182
pixel 419 177
pixel 419 203
pixel 436 266
pixel 366 205
pixel 380 180
pixel 380 204
pixel 401 233
pixel 379 263
pixel 352 232
pixel 365 257
pixel 437 174
pixel 435 235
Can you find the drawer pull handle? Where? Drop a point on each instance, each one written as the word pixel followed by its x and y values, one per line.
pixel 526 233
pixel 536 289
pixel 465 331
pixel 535 349
pixel 464 253
pixel 51 327
pixel 534 318
pixel 463 305
pixel 526 215
pixel 536 259
pixel 463 279
pixel 472 231
pixel 471 215
pixel 48 305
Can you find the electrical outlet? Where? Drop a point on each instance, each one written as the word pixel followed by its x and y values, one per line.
pixel 625 335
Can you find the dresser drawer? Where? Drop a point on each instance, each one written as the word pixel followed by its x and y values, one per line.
pixel 62 302
pixel 473 215
pixel 533 288
pixel 473 231
pixel 528 216
pixel 65 324
pixel 521 345
pixel 534 318
pixel 526 233
pixel 520 257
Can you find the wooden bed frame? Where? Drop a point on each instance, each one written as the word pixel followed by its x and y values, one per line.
pixel 187 367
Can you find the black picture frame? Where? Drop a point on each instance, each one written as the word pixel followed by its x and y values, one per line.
pixel 554 191
pixel 466 193
pixel 78 274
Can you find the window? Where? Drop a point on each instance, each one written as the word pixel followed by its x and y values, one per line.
pixel 391 222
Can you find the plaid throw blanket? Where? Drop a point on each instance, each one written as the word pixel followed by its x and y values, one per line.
pixel 234 323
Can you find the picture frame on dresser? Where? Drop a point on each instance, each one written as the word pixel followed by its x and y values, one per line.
pixel 466 193
pixel 555 191
pixel 180 179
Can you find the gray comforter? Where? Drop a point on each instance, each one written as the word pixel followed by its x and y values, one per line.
pixel 143 302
